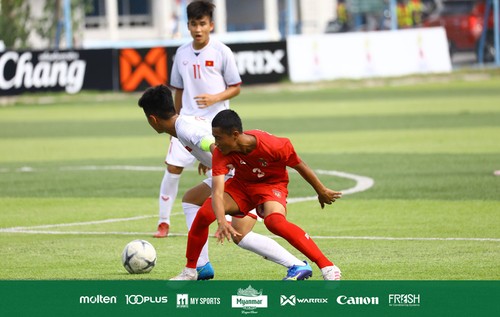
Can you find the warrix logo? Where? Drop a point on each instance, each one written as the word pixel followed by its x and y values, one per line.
pixel 293 300
pixel 260 62
pixel 135 68
pixel 63 69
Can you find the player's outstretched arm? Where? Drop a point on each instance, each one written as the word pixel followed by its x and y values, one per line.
pixel 224 230
pixel 325 195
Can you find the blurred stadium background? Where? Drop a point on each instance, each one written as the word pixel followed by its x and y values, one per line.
pixel 126 45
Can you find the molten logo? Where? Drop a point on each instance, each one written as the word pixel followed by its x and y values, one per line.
pixel 134 69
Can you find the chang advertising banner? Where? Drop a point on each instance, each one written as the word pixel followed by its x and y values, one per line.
pixel 69 71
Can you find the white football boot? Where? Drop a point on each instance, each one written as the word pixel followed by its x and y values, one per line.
pixel 331 273
pixel 187 274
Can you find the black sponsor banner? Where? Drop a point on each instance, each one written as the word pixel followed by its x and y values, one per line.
pixel 124 69
pixel 69 71
pixel 260 63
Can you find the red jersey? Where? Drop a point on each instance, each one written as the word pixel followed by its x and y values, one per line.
pixel 265 164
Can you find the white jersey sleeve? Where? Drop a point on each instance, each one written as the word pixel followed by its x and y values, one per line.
pixel 191 132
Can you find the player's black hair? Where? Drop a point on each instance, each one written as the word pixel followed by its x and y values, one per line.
pixel 158 101
pixel 228 121
pixel 196 10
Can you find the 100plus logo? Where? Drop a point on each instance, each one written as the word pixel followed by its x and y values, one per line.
pixel 142 299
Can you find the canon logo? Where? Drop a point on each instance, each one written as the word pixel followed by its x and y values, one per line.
pixel 53 69
pixel 348 300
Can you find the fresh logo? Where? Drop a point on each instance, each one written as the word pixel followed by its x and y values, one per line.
pixel 404 300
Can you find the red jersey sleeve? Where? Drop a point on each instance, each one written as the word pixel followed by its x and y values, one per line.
pixel 219 163
pixel 288 154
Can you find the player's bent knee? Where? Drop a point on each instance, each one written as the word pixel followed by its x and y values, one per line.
pixel 273 220
pixel 237 239
pixel 172 169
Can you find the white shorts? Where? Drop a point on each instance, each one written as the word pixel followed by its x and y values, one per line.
pixel 208 174
pixel 177 154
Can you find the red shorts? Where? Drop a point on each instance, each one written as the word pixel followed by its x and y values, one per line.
pixel 250 196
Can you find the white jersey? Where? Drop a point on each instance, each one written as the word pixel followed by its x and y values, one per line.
pixel 190 132
pixel 207 71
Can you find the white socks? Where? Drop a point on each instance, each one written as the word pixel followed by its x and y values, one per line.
pixel 190 211
pixel 168 193
pixel 269 249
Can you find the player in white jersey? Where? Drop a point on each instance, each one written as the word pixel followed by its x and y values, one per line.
pixel 205 77
pixel 195 134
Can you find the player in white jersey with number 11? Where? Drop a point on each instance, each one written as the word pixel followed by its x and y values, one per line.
pixel 205 77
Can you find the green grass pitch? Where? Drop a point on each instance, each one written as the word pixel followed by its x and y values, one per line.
pixel 71 199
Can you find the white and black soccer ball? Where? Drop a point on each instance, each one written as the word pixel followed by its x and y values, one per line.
pixel 139 256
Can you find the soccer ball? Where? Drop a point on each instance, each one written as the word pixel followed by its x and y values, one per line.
pixel 139 256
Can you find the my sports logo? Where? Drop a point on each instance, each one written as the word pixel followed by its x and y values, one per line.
pixel 138 66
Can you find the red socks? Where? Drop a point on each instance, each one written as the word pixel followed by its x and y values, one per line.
pixel 277 224
pixel 198 234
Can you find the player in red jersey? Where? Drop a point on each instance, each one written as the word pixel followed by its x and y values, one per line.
pixel 261 179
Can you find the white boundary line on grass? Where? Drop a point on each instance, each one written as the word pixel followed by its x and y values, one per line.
pixel 363 183
pixel 30 231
